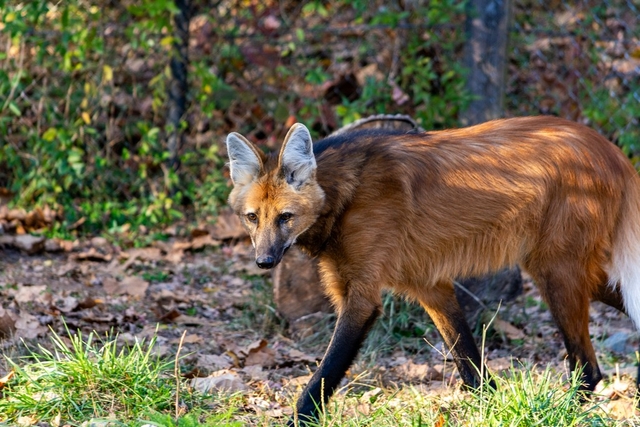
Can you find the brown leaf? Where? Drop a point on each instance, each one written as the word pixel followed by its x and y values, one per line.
pixel 214 362
pixel 298 356
pixel 221 381
pixel 5 196
pixel 259 354
pixel 28 243
pixel 183 319
pixel 256 372
pixel 622 409
pixel 144 254
pixel 188 339
pixel 88 302
pixel 4 380
pixel 52 245
pixel 134 286
pixel 131 285
pixel 93 255
pixel 508 329
pixel 7 324
pixel 99 242
pixel 198 232
pixel 228 226
pixel 28 326
pixel 170 316
pixel 67 304
pixel 19 214
pixel 202 241
pixel 37 293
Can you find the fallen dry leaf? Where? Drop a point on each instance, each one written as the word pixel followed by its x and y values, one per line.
pixel 111 285
pixel 228 226
pixel 221 381
pixel 37 293
pixel 198 232
pixel 144 254
pixel 622 409
pixel 183 319
pixel 26 421
pixel 4 380
pixel 213 362
pixel 134 286
pixel 66 304
pixel 93 255
pixel 265 357
pixel 508 329
pixel 130 285
pixel 28 326
pixel 7 324
pixel 19 214
pixel 298 356
pixel 188 339
pixel 25 242
pixel 256 373
pixel 202 241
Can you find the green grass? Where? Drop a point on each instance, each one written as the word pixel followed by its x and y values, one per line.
pixel 92 382
pixel 81 379
pixel 523 398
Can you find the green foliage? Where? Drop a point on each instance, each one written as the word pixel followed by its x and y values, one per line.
pixel 224 417
pixel 84 96
pixel 81 379
pixel 84 92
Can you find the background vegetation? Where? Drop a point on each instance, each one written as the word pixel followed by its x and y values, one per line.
pixel 84 88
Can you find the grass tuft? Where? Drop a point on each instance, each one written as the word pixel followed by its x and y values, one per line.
pixel 82 379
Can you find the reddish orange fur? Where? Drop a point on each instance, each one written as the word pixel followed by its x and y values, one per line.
pixel 413 212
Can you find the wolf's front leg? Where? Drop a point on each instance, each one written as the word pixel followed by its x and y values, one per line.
pixel 354 322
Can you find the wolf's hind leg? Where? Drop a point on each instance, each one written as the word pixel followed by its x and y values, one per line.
pixel 441 304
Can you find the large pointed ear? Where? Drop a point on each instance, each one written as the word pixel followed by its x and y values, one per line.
pixel 245 162
pixel 296 160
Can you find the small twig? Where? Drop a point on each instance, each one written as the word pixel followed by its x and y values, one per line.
pixel 471 294
pixel 176 372
pixel 68 101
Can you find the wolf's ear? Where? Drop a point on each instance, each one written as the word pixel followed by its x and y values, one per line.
pixel 296 160
pixel 245 163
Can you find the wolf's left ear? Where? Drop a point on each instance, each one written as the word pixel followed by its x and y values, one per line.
pixel 245 162
pixel 296 160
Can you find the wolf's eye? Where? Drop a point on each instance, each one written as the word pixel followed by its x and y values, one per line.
pixel 285 217
pixel 251 217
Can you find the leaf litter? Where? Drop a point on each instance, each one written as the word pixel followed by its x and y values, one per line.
pixel 204 284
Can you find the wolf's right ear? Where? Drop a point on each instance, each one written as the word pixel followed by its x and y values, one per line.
pixel 296 159
pixel 245 163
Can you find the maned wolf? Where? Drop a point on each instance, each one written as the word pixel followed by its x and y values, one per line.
pixel 413 211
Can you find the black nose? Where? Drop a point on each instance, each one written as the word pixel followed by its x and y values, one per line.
pixel 265 262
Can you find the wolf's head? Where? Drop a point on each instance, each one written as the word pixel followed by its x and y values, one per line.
pixel 277 198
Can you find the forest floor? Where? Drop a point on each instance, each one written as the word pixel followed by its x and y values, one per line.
pixel 235 341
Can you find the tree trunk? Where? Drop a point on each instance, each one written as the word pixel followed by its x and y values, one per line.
pixel 178 87
pixel 485 56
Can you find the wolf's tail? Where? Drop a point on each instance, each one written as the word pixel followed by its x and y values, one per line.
pixel 625 268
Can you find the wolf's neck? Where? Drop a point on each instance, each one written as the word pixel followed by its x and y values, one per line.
pixel 339 180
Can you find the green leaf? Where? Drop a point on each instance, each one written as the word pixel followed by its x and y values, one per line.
pixel 14 109
pixel 50 134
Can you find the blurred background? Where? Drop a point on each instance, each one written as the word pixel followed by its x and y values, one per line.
pixel 113 113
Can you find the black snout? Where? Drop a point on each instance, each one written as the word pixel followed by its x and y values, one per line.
pixel 266 261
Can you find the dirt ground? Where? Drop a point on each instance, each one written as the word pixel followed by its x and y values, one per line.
pixel 233 337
